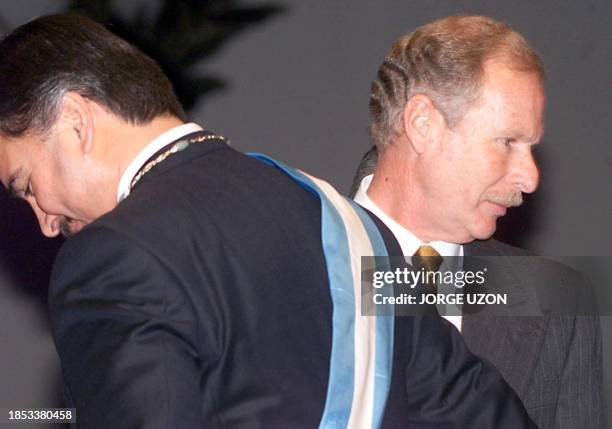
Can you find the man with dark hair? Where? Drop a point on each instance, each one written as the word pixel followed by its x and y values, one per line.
pixel 197 289
pixel 456 109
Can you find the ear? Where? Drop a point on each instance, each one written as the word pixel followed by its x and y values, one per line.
pixel 77 119
pixel 421 122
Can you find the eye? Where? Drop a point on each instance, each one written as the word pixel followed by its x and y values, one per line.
pixel 506 141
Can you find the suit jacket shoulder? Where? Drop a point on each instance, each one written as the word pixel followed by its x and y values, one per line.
pixel 550 351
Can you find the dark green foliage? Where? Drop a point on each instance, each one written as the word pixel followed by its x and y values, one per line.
pixel 179 34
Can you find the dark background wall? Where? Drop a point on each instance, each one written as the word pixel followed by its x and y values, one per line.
pixel 298 90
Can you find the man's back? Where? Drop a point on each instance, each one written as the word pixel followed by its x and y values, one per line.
pixel 211 274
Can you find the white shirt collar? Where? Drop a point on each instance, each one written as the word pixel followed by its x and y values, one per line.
pixel 407 240
pixel 149 150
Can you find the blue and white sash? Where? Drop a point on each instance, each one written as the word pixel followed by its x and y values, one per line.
pixel 362 346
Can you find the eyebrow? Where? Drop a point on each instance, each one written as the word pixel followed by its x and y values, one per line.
pixel 520 136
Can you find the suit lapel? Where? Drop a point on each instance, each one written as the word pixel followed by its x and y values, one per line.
pixel 511 343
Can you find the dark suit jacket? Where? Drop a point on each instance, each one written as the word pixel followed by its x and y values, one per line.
pixel 554 361
pixel 202 300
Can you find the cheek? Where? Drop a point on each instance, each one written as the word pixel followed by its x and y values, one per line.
pixel 489 173
pixel 497 176
pixel 45 203
pixel 49 194
pixel 497 165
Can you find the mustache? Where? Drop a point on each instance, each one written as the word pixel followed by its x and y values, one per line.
pixel 65 227
pixel 511 199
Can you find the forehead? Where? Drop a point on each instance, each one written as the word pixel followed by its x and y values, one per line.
pixel 510 100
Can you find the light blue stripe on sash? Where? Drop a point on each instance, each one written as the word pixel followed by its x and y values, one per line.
pixel 337 254
pixel 384 331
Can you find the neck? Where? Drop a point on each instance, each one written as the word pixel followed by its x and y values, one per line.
pixel 122 142
pixel 117 143
pixel 135 138
pixel 397 191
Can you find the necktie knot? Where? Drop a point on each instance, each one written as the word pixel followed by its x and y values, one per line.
pixel 428 258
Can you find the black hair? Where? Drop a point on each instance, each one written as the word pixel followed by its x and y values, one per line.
pixel 43 59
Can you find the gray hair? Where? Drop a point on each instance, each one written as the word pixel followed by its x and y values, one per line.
pixel 444 61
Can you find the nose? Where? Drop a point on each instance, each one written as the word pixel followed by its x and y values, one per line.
pixel 49 223
pixel 527 174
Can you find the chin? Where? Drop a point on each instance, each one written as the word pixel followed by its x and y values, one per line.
pixel 484 230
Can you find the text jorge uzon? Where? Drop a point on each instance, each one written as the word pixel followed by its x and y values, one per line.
pixel 433 298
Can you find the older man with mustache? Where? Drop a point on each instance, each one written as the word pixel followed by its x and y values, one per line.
pixel 456 110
